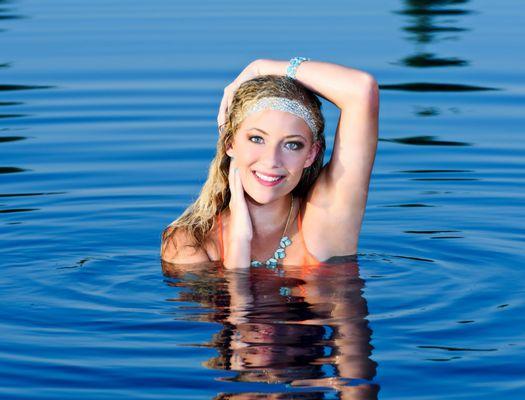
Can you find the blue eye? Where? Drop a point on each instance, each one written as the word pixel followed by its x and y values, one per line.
pixel 289 146
pixel 256 139
pixel 295 145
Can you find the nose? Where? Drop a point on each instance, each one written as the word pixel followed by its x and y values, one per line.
pixel 271 157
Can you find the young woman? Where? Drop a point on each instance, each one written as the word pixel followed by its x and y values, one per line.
pixel 268 199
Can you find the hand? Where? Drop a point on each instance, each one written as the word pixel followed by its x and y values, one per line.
pixel 251 71
pixel 238 247
pixel 240 221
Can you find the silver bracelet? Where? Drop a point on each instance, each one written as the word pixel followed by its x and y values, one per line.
pixel 291 70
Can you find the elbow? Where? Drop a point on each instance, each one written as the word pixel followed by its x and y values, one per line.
pixel 365 92
pixel 368 93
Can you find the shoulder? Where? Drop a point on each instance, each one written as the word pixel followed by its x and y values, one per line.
pixel 178 247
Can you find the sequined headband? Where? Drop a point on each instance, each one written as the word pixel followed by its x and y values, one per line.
pixel 284 104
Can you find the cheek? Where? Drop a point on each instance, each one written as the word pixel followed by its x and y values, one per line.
pixel 248 156
pixel 296 162
pixel 242 153
pixel 245 160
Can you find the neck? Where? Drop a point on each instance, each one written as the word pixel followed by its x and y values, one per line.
pixel 271 217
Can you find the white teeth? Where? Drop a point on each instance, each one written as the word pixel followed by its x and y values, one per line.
pixel 267 178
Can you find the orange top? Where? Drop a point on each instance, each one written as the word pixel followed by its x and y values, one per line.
pixel 308 258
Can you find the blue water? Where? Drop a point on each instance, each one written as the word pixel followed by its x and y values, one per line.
pixel 107 126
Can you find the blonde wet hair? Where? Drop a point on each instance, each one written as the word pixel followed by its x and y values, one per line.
pixel 199 218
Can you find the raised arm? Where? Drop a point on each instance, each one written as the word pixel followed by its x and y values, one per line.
pixel 346 178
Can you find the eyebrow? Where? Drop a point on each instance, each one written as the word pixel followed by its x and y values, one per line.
pixel 286 137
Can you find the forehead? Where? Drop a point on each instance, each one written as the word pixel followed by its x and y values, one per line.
pixel 277 122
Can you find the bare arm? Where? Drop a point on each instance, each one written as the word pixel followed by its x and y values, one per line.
pixel 176 245
pixel 175 248
pixel 346 178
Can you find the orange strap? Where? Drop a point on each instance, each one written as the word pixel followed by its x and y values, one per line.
pixel 308 259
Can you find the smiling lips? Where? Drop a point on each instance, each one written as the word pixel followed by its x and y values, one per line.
pixel 268 180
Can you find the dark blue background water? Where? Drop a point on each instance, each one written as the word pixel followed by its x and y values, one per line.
pixel 107 126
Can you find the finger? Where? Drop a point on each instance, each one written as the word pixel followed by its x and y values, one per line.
pixel 238 182
pixel 239 190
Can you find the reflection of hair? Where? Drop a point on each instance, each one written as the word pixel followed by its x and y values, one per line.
pixel 281 375
pixel 197 220
pixel 310 395
pixel 221 342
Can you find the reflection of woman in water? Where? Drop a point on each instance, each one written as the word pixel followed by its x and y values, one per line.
pixel 296 326
pixel 268 199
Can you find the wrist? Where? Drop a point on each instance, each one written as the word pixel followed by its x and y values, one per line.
pixel 237 253
pixel 257 67
pixel 271 67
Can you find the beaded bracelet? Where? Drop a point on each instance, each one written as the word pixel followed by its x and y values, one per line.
pixel 291 70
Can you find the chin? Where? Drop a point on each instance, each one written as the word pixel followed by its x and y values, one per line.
pixel 262 198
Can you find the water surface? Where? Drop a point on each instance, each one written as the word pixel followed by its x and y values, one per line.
pixel 107 126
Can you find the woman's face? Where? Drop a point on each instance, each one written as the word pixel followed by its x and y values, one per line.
pixel 271 148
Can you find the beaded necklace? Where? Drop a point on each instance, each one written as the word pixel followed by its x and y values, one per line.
pixel 280 253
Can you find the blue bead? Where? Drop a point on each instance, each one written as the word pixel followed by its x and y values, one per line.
pixel 285 242
pixel 272 262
